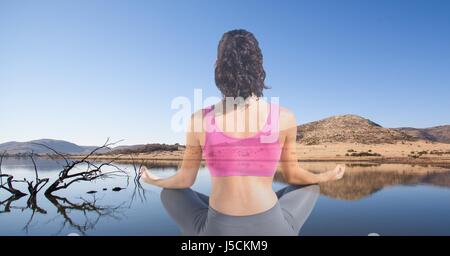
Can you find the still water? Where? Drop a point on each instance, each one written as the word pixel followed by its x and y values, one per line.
pixel 386 199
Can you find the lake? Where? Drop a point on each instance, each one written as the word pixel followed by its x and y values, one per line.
pixel 387 199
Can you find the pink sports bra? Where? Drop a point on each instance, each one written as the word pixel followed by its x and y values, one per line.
pixel 257 155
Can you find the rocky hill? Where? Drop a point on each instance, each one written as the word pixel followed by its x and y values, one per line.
pixel 437 134
pixel 350 129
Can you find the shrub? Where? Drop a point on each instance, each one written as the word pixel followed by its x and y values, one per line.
pixel 362 153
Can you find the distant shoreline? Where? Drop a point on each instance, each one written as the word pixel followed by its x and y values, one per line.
pixel 384 160
pixel 420 152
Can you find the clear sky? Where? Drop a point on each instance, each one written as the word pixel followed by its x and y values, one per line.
pixel 86 70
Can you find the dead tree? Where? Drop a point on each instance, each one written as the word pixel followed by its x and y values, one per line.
pixel 138 189
pixel 68 175
pixel 9 181
pixel 34 188
pixel 92 171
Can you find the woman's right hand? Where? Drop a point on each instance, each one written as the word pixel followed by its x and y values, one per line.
pixel 147 176
pixel 335 174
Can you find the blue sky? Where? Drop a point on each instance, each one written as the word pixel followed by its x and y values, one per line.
pixel 86 70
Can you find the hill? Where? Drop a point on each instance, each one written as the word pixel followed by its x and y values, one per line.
pixel 437 134
pixel 16 148
pixel 349 129
pixel 65 147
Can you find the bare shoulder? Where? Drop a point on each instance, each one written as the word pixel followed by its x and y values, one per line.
pixel 287 119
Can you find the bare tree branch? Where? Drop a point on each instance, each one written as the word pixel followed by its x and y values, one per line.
pixel 1 161
pixel 138 189
pixel 92 170
pixel 40 183
pixel 107 144
pixel 54 151
pixel 10 188
pixel 16 194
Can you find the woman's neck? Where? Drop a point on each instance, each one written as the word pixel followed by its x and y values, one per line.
pixel 239 103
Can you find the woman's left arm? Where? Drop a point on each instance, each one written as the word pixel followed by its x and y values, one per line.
pixel 187 173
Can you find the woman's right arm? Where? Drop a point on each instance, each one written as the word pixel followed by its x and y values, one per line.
pixel 291 170
pixel 187 173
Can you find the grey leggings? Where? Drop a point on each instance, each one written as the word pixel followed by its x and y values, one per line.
pixel 190 210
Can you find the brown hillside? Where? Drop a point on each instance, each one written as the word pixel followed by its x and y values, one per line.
pixel 437 134
pixel 350 129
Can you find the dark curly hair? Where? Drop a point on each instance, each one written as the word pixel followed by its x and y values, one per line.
pixel 239 68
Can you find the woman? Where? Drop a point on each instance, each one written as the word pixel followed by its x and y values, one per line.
pixel 242 160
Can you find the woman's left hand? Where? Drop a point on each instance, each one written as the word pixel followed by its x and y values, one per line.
pixel 336 174
pixel 147 176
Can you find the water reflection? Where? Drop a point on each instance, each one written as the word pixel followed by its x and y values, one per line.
pixel 364 179
pixel 68 210
pixel 89 208
pixel 385 198
pixel 190 210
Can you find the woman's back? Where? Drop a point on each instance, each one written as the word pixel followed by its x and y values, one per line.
pixel 242 157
